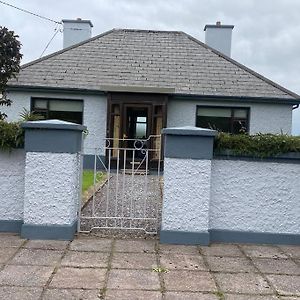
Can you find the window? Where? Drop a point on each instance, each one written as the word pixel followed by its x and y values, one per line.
pixel 226 119
pixel 141 127
pixel 66 110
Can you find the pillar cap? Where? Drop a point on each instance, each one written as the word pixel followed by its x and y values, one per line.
pixel 189 130
pixel 53 124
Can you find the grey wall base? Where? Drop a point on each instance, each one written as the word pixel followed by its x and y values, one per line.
pixel 184 238
pixel 49 232
pixel 89 161
pixel 227 236
pixel 11 225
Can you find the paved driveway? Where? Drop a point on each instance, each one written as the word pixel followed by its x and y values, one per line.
pixel 94 268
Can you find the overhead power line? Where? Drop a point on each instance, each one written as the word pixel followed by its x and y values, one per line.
pixel 29 12
pixel 56 30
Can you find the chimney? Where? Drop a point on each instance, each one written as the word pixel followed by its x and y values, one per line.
pixel 76 31
pixel 219 37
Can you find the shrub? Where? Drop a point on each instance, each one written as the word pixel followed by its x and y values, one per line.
pixel 11 135
pixel 258 145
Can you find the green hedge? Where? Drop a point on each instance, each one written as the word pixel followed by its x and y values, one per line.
pixel 258 145
pixel 11 135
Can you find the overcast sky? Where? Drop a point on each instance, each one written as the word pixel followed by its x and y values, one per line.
pixel 266 36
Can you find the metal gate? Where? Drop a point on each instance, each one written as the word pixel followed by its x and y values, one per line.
pixel 130 197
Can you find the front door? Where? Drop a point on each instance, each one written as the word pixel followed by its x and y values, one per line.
pixel 134 123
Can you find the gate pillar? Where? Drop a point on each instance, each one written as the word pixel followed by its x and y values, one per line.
pixel 187 177
pixel 52 179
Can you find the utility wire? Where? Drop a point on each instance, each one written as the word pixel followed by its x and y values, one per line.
pixel 29 12
pixel 53 36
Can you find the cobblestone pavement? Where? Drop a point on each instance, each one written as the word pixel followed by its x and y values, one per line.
pixel 95 268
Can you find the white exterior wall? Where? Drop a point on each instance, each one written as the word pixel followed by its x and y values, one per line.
pixel 12 168
pixel 49 198
pixel 264 118
pixel 183 180
pixel 255 196
pixel 94 114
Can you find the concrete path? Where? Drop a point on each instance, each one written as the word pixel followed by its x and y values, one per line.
pixel 91 268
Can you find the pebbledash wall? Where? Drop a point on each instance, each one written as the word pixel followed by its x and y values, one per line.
pixel 206 199
pixel 12 179
pixel 41 185
pixel 94 113
pixel 181 112
pixel 226 199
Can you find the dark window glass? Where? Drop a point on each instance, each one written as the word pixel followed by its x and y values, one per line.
pixel 225 119
pixel 65 110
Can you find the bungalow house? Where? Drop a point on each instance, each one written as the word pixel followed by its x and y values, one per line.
pixel 132 83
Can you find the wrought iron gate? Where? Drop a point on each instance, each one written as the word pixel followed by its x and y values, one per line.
pixel 130 198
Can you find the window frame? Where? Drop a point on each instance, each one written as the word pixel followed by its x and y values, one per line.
pixel 232 108
pixel 47 110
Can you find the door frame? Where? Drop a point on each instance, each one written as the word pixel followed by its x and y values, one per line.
pixel 125 100
pixel 135 99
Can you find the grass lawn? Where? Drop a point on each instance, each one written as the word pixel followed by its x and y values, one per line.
pixel 88 179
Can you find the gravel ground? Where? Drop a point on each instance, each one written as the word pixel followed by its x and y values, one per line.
pixel 126 197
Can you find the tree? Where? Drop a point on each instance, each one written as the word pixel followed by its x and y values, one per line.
pixel 10 58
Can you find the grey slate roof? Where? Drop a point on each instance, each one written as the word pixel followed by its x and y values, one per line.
pixel 145 58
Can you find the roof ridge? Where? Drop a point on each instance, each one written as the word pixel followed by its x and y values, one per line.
pixel 252 72
pixel 67 48
pixel 147 30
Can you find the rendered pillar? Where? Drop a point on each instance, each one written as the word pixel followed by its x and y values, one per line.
pixel 52 185
pixel 187 179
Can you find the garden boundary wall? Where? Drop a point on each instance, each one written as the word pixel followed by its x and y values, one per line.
pixel 226 199
pixel 41 184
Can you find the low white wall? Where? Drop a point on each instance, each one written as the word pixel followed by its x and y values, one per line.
pixel 49 198
pixel 255 196
pixel 94 114
pixel 264 118
pixel 12 168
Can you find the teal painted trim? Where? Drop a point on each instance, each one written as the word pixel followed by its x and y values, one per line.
pixel 103 89
pixel 288 158
pixel 188 146
pixel 52 140
pixel 218 26
pixel 49 232
pixel 11 225
pixel 53 125
pixel 243 99
pixel 173 95
pixel 184 237
pixel 44 89
pixel 89 161
pixel 228 236
pixel 189 131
